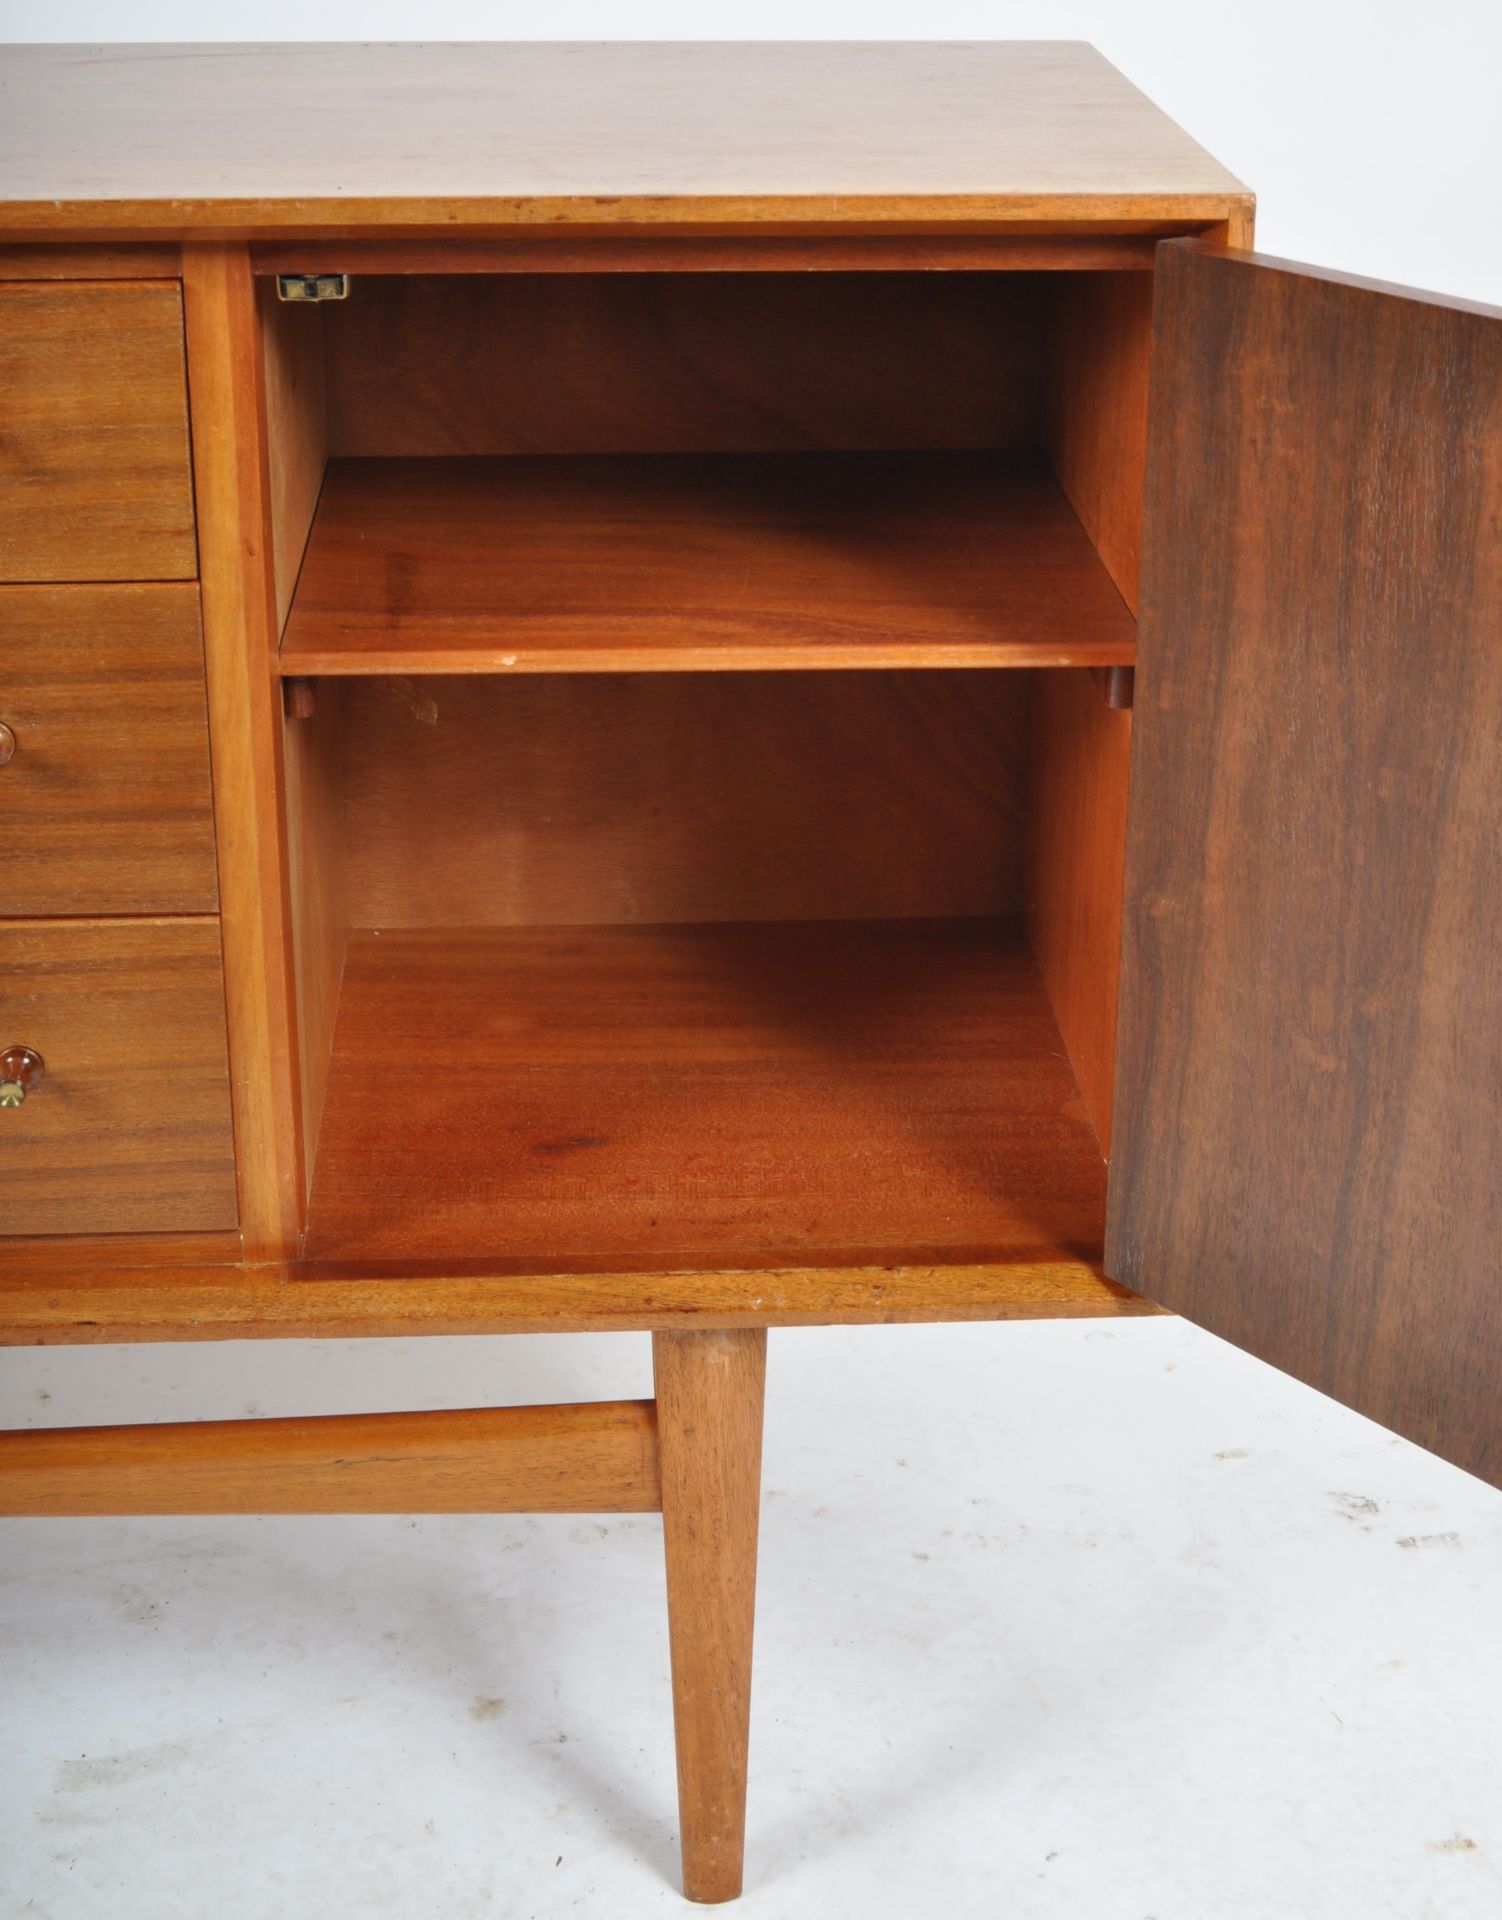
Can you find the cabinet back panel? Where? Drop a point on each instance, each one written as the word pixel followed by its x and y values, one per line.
pixel 663 363
pixel 633 799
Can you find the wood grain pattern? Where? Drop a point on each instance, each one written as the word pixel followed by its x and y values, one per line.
pixel 77 1297
pixel 712 1097
pixel 710 1393
pixel 1101 338
pixel 317 896
pixel 1081 750
pixel 105 806
pixel 632 798
pixel 671 363
pixel 1072 251
pixel 1240 225
pixel 1078 776
pixel 598 136
pixel 683 563
pixel 233 489
pixel 25 1259
pixel 43 262
pixel 94 456
pixel 297 431
pixel 1308 1124
pixel 130 1130
pixel 599 1458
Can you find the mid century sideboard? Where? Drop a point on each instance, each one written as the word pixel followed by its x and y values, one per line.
pixel 577 626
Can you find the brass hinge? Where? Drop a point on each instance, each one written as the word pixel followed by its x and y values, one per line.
pixel 312 286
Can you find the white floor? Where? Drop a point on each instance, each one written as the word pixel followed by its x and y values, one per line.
pixel 1057 1620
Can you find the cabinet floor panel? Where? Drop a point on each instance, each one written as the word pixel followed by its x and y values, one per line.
pixel 565 564
pixel 823 1094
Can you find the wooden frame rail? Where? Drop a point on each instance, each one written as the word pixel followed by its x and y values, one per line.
pixel 600 1457
pixel 56 1298
pixel 1073 252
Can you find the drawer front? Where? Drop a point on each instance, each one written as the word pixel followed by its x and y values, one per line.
pixel 128 1128
pixel 94 472
pixel 105 801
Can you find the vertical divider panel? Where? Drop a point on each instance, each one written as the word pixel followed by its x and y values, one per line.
pixel 227 410
pixel 297 451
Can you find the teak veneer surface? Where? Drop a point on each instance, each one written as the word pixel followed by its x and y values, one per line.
pixel 237 595
pixel 261 141
pixel 71 1295
pixel 711 1388
pixel 764 362
pixel 94 464
pixel 667 254
pixel 621 563
pixel 1309 1078
pixel 702 1097
pixel 630 798
pixel 598 1457
pixel 129 1129
pixel 38 261
pixel 105 806
pixel 1079 761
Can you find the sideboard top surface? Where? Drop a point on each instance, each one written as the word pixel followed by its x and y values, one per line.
pixel 261 141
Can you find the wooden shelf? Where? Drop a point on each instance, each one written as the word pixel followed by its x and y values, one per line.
pixel 552 564
pixel 669 1099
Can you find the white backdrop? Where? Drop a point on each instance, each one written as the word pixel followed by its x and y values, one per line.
pixel 1371 130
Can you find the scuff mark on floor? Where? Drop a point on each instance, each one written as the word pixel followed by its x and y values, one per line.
pixel 91 1771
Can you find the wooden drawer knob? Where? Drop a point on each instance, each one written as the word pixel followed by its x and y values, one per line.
pixel 20 1070
pixel 7 744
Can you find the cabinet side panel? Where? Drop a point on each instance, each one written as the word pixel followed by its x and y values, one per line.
pixel 1100 339
pixel 1079 752
pixel 1308 1124
pixel 297 431
pixel 315 868
pixel 1100 344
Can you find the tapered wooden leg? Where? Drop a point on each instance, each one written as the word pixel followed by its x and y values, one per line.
pixel 709 1414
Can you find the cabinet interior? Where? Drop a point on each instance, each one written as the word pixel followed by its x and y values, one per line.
pixel 704 830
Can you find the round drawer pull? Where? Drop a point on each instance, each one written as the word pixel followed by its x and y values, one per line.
pixel 7 744
pixel 20 1070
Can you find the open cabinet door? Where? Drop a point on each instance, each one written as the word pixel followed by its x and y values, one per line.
pixel 1308 1133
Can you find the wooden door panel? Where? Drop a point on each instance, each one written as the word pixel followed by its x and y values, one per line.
pixel 1309 1076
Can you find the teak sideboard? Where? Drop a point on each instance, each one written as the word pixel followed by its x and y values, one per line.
pixel 577 626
